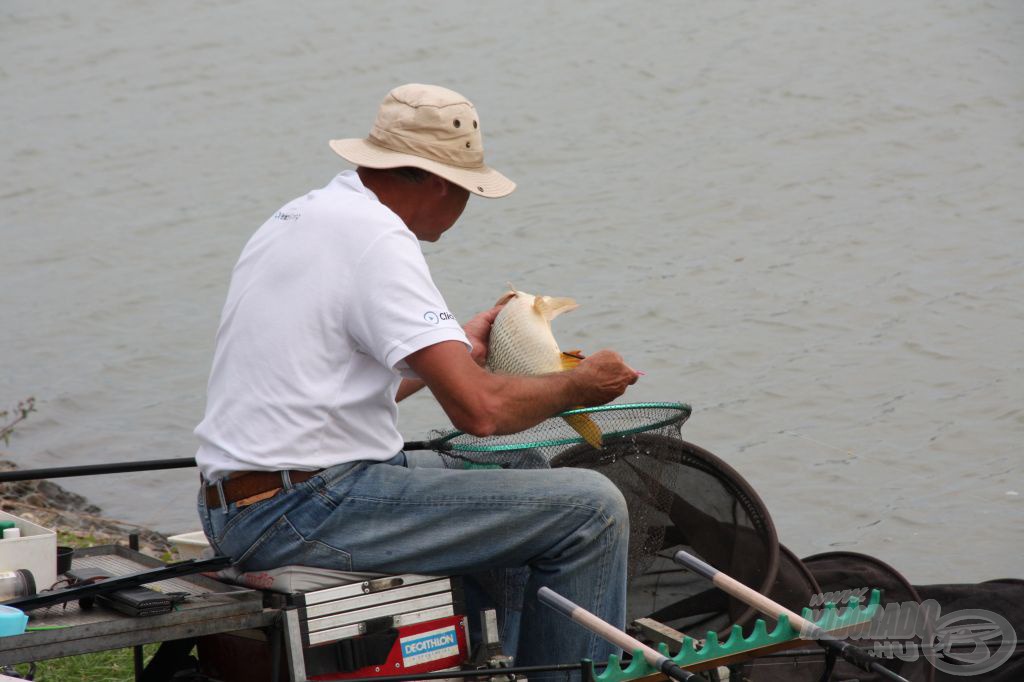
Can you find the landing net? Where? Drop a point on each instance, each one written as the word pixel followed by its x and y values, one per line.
pixel 679 497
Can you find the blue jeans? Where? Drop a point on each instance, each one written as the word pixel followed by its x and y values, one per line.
pixel 569 526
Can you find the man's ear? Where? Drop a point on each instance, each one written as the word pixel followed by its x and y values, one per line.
pixel 438 185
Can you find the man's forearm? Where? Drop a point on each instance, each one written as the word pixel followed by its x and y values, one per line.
pixel 524 401
pixel 482 403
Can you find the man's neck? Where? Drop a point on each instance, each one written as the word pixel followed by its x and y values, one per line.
pixel 400 197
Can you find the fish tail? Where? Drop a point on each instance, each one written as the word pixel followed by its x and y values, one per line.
pixel 586 427
pixel 550 307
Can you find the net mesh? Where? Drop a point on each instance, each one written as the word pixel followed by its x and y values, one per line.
pixel 682 497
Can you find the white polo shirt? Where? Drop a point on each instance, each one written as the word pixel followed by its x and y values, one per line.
pixel 326 301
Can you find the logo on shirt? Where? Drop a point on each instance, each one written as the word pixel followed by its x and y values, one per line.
pixel 290 214
pixel 435 318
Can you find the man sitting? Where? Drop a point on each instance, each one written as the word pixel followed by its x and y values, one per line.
pixel 332 318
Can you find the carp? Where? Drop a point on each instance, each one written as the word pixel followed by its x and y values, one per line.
pixel 522 343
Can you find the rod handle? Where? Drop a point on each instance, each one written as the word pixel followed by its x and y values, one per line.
pixel 556 601
pixel 612 634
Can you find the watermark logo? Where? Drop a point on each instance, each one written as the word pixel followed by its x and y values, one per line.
pixel 971 642
pixel 838 597
pixel 962 643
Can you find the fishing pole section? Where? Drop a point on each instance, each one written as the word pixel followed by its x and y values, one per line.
pixel 144 465
pixel 612 634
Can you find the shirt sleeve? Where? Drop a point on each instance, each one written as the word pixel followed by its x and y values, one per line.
pixel 397 310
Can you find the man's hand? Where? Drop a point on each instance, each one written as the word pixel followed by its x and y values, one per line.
pixel 478 331
pixel 603 377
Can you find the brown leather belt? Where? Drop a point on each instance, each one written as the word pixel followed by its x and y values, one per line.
pixel 249 484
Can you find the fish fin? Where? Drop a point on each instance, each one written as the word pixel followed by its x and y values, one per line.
pixel 570 359
pixel 506 297
pixel 551 307
pixel 586 427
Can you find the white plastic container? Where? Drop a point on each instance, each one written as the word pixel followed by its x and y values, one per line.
pixel 35 551
pixel 190 545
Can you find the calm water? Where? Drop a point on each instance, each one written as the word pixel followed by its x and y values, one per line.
pixel 804 219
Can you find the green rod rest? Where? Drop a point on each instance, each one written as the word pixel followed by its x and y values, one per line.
pixel 831 618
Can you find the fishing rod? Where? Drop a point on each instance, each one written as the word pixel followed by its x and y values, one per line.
pixel 115 583
pixel 146 465
pixel 441 443
pixel 808 630
pixel 610 633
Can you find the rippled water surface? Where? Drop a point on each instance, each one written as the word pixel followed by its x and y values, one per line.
pixel 804 219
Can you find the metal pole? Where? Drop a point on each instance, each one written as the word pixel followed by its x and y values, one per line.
pixel 145 465
pixel 92 469
pixel 133 544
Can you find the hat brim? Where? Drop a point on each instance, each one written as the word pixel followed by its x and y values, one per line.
pixel 483 181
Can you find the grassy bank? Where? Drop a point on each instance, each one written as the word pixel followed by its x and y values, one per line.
pixel 105 666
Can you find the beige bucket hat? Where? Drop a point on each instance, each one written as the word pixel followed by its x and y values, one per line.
pixel 428 127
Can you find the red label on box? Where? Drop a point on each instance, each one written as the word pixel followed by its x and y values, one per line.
pixel 421 648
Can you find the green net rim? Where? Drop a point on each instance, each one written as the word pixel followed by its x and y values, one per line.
pixel 682 410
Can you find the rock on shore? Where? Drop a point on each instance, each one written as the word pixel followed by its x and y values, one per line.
pixel 51 506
